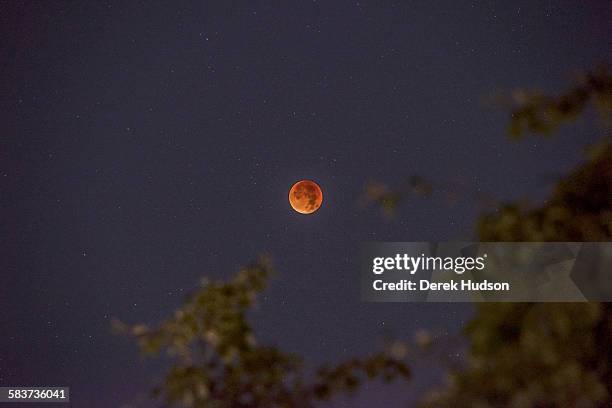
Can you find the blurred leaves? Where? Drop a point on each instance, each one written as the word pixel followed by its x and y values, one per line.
pixel 381 196
pixel 534 355
pixel 388 199
pixel 545 354
pixel 579 209
pixel 346 377
pixel 217 361
pixel 536 112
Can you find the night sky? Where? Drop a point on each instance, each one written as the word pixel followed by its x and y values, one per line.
pixel 144 146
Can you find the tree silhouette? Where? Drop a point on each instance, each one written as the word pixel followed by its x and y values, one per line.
pixel 218 363
pixel 538 113
pixel 545 355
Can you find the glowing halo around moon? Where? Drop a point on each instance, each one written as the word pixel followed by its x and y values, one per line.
pixel 305 197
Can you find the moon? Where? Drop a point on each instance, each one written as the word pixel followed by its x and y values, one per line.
pixel 305 197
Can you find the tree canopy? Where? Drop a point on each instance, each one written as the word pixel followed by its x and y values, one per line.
pixel 217 361
pixel 545 354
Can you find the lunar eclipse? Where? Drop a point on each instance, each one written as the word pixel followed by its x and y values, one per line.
pixel 305 197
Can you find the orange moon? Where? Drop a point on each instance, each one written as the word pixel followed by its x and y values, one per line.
pixel 305 197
